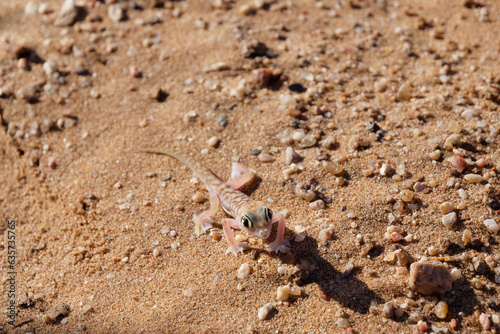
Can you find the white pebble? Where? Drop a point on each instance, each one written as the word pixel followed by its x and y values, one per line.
pixel 213 141
pixel 491 226
pixel 462 193
pixel 244 271
pixel 188 293
pixel 283 292
pixel 125 259
pixel 449 220
pixel 474 178
pixel 385 169
pixel 317 205
pixel 264 311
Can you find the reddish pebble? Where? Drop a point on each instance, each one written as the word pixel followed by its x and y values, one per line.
pixel 453 324
pixel 481 162
pixel 422 326
pixel 349 330
pixel 458 163
pixel 135 71
pixel 395 237
pixel 52 162
pixel 485 321
pixel 323 296
pixel 263 76
pixel 286 303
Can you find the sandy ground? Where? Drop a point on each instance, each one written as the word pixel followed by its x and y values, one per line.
pixel 104 235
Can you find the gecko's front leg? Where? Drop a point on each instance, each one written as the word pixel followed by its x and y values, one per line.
pixel 234 247
pixel 203 222
pixel 280 244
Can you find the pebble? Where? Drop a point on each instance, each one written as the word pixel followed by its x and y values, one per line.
pixel 419 187
pixel 222 121
pixel 435 155
pixel 198 197
pixel 406 195
pixel 317 205
pixel 296 87
pixel 466 236
pixel 334 168
pixel 491 226
pixel 452 141
pixel 263 76
pixel 67 15
pixel 244 271
pixel 388 310
pixel 213 141
pixel 429 278
pixel 265 157
pixel 473 178
pixel 216 67
pixel 28 93
pixel 325 234
pixel 446 208
pixel 468 114
pixel 456 274
pixel 343 323
pixel 308 141
pixel 441 310
pixel 485 321
pixel 422 326
pixel 58 311
pixel 188 292
pixel 291 156
pixel 305 193
pixel 156 252
pixel 462 193
pixel 385 169
pixel 404 92
pixel 264 311
pixel 449 220
pixel 283 292
pixel 116 13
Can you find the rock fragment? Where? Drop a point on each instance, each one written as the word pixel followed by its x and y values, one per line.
pixel 68 14
pixel 429 278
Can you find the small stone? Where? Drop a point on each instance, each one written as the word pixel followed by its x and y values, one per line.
pixel 404 92
pixel 265 157
pixel 334 168
pixel 116 13
pixel 283 292
pixel 308 141
pixel 217 67
pixel 213 141
pixel 435 155
pixel 325 234
pixel 388 310
pixel 441 310
pixel 485 321
pixel 58 311
pixel 473 178
pixel 296 87
pixel 28 93
pixel 462 193
pixel 491 226
pixel 452 141
pixel 468 114
pixel 396 236
pixel 244 271
pixel 456 274
pixel 449 220
pixel 188 292
pixel 291 156
pixel 419 187
pixel 446 208
pixel 454 127
pixel 429 278
pixel 156 252
pixel 466 236
pixel 222 121
pixel 304 192
pixel 354 142
pixel 198 197
pixel 458 163
pixel 385 169
pixel 343 323
pixel 263 76
pixel 67 15
pixel 317 205
pixel 406 195
pixel 422 326
pixel 264 311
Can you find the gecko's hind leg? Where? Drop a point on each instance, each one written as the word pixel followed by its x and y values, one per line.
pixel 240 176
pixel 234 247
pixel 203 222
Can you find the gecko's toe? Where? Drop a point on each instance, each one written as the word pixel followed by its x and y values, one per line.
pixel 239 248
pixel 279 246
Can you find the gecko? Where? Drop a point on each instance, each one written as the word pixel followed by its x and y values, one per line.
pixel 251 216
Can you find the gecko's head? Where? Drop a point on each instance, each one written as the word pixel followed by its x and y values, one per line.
pixel 255 218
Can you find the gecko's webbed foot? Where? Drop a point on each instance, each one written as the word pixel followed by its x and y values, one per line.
pixel 202 225
pixel 282 246
pixel 239 247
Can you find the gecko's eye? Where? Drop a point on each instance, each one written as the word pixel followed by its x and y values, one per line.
pixel 268 214
pixel 246 222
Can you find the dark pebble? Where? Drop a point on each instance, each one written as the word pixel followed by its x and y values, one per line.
pixel 294 122
pixel 222 121
pixel 296 87
pixel 255 152
pixel 373 127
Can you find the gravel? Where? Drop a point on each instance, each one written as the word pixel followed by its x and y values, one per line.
pixel 429 278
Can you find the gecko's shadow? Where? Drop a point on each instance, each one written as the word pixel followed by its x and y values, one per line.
pixel 314 267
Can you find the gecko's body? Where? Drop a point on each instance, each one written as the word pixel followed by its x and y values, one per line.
pixel 252 216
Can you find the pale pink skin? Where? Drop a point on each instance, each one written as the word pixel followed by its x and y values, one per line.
pixel 234 202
